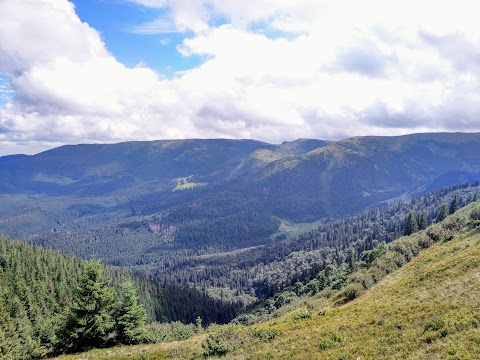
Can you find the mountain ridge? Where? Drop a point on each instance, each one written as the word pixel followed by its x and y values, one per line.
pixel 213 195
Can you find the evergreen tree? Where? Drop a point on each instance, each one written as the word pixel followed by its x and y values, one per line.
pixel 411 225
pixel 89 322
pixel 442 213
pixel 454 205
pixel 129 316
pixel 422 221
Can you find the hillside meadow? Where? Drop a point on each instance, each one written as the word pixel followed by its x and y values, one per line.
pixel 427 309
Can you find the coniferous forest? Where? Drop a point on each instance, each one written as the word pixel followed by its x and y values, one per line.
pixel 53 303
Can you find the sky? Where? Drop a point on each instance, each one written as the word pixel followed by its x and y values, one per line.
pixel 104 71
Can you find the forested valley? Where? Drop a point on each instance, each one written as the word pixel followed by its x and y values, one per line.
pixel 42 290
pixel 264 270
pixel 176 235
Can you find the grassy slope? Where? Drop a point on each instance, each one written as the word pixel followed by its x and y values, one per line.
pixel 441 287
pixel 428 309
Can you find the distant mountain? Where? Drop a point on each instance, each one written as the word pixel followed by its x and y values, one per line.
pixel 101 168
pixel 349 175
pixel 143 203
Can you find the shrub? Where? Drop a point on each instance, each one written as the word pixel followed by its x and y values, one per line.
pixel 435 328
pixel 475 214
pixel 181 331
pixel 265 334
pixel 214 346
pixel 333 340
pixel 244 319
pixel 302 316
pixel 158 332
pixel 352 291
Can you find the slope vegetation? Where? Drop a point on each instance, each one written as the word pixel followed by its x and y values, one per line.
pixel 37 285
pixel 427 309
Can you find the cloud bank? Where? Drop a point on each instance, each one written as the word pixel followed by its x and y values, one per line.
pixel 276 71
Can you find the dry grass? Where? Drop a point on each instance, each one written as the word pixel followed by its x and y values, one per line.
pixel 428 309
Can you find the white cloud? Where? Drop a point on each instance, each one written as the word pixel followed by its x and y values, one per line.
pixel 275 71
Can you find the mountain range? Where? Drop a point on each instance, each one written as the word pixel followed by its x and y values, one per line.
pixel 241 228
pixel 127 202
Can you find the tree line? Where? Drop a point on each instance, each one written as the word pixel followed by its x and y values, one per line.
pixel 262 271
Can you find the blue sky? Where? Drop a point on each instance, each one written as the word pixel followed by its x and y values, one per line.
pixel 95 71
pixel 116 21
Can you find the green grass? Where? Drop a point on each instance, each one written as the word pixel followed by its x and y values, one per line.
pixel 427 309
pixel 186 183
pixel 190 349
pixel 291 229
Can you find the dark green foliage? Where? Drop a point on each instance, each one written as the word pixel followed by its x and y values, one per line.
pixel 454 205
pixel 422 221
pixel 475 214
pixel 411 226
pixel 37 286
pixel 214 345
pixel 304 315
pixel 435 328
pixel 89 322
pixel 351 291
pixel 442 213
pixel 129 316
pixel 173 331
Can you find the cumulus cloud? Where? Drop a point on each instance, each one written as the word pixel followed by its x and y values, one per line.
pixel 276 71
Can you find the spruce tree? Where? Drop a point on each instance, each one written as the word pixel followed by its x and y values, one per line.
pixel 422 221
pixel 411 225
pixel 454 205
pixel 89 322
pixel 129 316
pixel 442 213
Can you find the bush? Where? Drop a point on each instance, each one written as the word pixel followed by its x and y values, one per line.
pixel 181 331
pixel 352 291
pixel 158 332
pixel 434 329
pixel 475 214
pixel 245 319
pixel 333 340
pixel 302 316
pixel 265 334
pixel 214 346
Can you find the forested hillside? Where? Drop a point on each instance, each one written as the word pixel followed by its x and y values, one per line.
pixel 144 203
pixel 236 220
pixel 264 270
pixel 37 286
pixel 415 298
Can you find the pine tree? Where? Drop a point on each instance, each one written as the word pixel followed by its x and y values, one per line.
pixel 453 205
pixel 88 322
pixel 422 221
pixel 442 213
pixel 129 316
pixel 411 225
